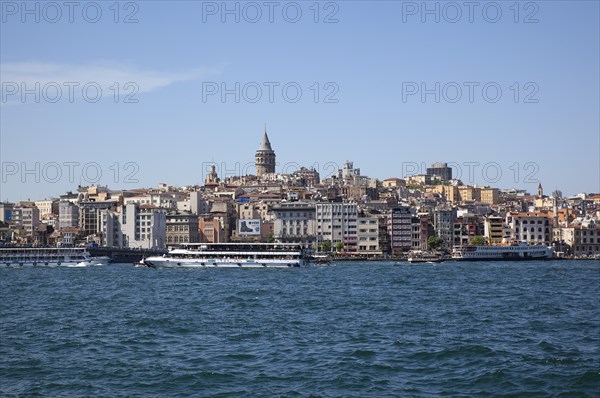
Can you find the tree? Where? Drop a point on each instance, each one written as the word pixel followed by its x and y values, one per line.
pixel 434 242
pixel 326 246
pixel 478 240
pixel 270 238
pixel 339 246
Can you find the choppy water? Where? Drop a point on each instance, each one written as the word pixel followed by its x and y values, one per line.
pixel 504 329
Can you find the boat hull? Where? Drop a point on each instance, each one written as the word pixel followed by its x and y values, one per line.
pixel 420 260
pixel 87 263
pixel 163 262
pixel 501 259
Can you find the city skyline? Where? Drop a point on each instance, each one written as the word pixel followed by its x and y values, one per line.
pixel 388 86
pixel 124 176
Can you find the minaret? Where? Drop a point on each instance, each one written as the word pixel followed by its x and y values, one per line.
pixel 265 157
pixel 540 191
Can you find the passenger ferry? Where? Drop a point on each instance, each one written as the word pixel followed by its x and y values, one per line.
pixel 516 252
pixel 231 255
pixel 48 256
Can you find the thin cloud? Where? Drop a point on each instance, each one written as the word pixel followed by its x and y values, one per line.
pixel 105 75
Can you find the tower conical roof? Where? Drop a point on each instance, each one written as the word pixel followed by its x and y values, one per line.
pixel 265 145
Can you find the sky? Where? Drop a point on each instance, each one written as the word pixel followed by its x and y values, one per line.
pixel 132 94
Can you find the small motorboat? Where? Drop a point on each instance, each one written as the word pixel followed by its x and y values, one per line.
pixel 426 258
pixel 321 259
pixel 141 263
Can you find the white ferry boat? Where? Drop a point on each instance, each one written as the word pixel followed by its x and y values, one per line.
pixel 48 256
pixel 231 255
pixel 516 252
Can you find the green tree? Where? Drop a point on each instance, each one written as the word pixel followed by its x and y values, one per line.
pixel 434 242
pixel 339 246
pixel 270 238
pixel 478 240
pixel 326 246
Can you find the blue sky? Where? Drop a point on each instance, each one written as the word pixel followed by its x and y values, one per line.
pixel 364 64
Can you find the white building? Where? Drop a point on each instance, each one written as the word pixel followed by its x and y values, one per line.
pixel 294 222
pixel 136 226
pixel 337 222
pixel 143 226
pixel 368 235
pixel 535 228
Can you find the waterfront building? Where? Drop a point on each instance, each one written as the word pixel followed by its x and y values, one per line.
pixel 143 226
pixel 443 224
pixel 424 230
pixel 466 227
pixel 534 228
pixel 419 232
pixel 110 229
pixel 583 235
pixel 294 222
pixel 182 227
pixel 89 215
pixel 25 219
pixel 211 229
pixel 68 214
pixel 400 229
pixel 368 235
pixel 265 157
pixel 337 222
pixel 494 229
pixel 384 235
